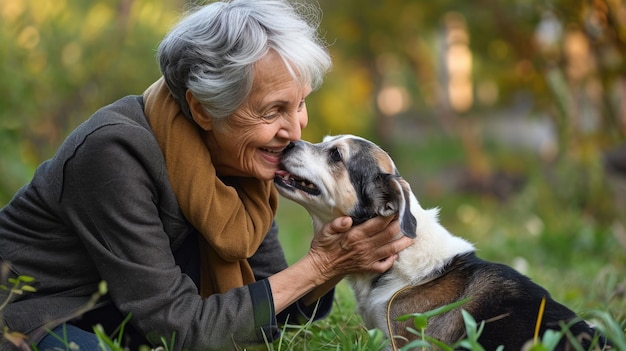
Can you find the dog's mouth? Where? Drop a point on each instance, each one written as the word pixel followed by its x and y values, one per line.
pixel 289 181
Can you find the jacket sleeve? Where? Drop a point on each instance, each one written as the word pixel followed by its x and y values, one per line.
pixel 270 259
pixel 112 188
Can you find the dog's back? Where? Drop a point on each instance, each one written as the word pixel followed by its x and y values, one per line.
pixel 507 301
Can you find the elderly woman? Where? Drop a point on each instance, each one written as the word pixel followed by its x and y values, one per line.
pixel 169 198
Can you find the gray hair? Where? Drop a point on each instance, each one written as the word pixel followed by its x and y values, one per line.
pixel 212 51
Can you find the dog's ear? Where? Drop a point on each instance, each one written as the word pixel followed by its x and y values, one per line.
pixel 393 195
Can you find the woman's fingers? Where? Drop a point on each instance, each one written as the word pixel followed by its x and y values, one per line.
pixel 368 247
pixel 389 253
pixel 384 264
pixel 374 226
pixel 376 232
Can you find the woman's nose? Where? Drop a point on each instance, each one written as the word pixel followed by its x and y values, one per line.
pixel 292 127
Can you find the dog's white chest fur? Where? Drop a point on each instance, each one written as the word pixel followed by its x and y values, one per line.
pixel 432 249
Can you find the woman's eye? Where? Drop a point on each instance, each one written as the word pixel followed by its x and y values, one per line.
pixel 271 115
pixel 301 105
pixel 335 155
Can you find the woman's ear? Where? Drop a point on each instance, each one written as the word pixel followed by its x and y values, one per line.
pixel 198 113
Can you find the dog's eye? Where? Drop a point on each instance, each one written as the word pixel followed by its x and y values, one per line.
pixel 335 155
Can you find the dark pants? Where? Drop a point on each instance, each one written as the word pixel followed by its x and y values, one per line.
pixel 66 335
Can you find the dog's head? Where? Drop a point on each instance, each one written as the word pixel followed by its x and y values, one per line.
pixel 345 175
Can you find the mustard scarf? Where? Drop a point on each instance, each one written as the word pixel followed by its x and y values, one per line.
pixel 233 218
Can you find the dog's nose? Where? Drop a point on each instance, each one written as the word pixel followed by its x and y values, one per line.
pixel 292 146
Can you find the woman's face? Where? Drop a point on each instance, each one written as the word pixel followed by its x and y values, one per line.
pixel 250 141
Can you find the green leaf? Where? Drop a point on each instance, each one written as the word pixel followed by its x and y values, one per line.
pixel 420 321
pixel 102 288
pixel 440 344
pixel 550 339
pixel 406 317
pixel 446 308
pixel 28 288
pixel 376 337
pixel 415 344
pixel 538 347
pixel 470 323
pixel 26 279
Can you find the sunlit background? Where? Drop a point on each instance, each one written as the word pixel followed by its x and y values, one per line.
pixel 507 114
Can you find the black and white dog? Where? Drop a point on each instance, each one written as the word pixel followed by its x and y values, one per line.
pixel 348 175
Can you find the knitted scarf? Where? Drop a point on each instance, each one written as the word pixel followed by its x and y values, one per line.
pixel 232 217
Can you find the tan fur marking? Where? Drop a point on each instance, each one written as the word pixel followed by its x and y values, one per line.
pixel 343 192
pixel 384 161
pixel 434 294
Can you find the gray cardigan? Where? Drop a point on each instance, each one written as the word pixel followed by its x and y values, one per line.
pixel 102 209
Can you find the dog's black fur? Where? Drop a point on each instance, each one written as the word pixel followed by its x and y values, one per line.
pixel 506 300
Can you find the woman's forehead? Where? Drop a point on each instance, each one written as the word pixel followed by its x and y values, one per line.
pixel 273 82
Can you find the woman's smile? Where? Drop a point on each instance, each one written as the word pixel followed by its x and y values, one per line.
pixel 272 155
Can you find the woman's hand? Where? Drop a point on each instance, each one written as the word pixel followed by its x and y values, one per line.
pixel 339 249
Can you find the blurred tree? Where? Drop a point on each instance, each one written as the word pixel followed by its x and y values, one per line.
pixel 457 62
pixel 449 63
pixel 62 60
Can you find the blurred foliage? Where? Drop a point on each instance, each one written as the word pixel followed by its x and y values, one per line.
pixel 497 111
pixel 516 90
pixel 518 48
pixel 554 69
pixel 61 61
pixel 560 59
